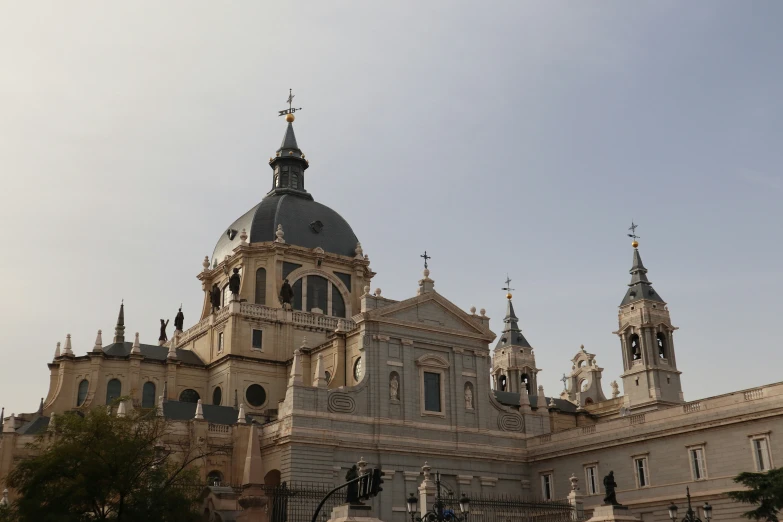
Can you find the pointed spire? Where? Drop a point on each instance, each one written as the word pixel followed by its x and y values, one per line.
pixel 159 409
pixel 57 351
pixel 640 287
pixel 68 350
pixel 119 330
pixel 40 407
pixel 289 139
pixel 241 415
pixel 121 411
pixel 254 465
pixel 199 411
pixel 320 373
pixel 288 166
pixel 296 368
pixel 511 335
pixel 52 423
pixel 136 348
pixel 172 348
pixel 98 343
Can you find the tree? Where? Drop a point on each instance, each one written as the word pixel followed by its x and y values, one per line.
pixel 104 467
pixel 764 490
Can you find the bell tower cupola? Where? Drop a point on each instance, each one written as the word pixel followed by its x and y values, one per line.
pixel 289 163
pixel 650 375
pixel 514 364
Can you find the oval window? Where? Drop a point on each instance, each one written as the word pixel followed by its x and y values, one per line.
pixel 255 395
pixel 358 369
pixel 217 396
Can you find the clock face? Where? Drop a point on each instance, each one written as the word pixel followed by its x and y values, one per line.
pixel 358 369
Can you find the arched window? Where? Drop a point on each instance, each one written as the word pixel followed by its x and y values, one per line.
pixel 189 396
pixel 502 382
pixel 317 288
pixel 588 401
pixel 113 390
pixel 255 395
pixel 215 478
pixel 226 296
pixel 297 289
pixel 526 383
pixel 217 396
pixel 261 286
pixel 84 386
pixel 338 303
pixel 148 395
pixel 661 337
pixel 635 348
pixel 294 180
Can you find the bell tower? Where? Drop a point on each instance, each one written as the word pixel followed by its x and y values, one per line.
pixel 650 376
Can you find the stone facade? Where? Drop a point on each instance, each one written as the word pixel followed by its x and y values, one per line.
pixel 302 391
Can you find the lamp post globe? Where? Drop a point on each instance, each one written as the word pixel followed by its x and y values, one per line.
pixel 673 511
pixel 412 501
pixel 707 511
pixel 464 504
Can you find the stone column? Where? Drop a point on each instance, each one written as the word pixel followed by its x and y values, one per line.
pixel 427 490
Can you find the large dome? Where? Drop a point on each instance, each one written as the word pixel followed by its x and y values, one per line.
pixel 306 223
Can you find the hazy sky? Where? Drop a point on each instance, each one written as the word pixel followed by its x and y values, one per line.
pixel 517 137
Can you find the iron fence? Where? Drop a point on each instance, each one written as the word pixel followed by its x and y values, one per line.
pixel 297 501
pixel 507 508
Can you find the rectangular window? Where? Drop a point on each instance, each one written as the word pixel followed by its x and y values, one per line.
pixel 698 467
pixel 220 342
pixel 432 391
pixel 547 490
pixel 257 338
pixel 591 474
pixel 642 476
pixel 761 453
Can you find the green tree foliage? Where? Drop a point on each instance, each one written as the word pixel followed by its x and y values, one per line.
pixel 765 490
pixel 104 467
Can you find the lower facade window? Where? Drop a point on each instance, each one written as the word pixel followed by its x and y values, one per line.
pixel 113 390
pixel 591 475
pixel 220 342
pixel 698 465
pixel 148 395
pixel 217 396
pixel 547 486
pixel 642 475
pixel 761 453
pixel 257 339
pixel 84 387
pixel 432 392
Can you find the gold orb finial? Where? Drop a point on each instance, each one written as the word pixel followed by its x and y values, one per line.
pixel 289 118
pixel 635 243
pixel 508 295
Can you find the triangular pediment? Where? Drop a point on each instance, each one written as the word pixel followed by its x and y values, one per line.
pixel 431 310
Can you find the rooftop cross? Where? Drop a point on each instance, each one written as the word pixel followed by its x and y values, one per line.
pixel 633 235
pixel 426 258
pixel 508 288
pixel 291 109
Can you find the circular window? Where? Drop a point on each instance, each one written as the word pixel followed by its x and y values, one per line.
pixel 189 396
pixel 256 395
pixel 358 369
pixel 217 396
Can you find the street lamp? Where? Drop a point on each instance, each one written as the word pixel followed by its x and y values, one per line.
pixel 690 515
pixel 439 513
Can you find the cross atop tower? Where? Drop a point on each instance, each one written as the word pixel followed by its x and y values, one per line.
pixel 426 258
pixel 508 288
pixel 289 112
pixel 633 235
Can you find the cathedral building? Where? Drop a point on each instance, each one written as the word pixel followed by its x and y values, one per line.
pixel 303 370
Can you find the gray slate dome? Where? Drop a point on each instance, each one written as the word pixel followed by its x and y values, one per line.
pixel 306 223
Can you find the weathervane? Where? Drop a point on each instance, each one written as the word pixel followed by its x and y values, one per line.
pixel 289 113
pixel 426 258
pixel 508 288
pixel 633 235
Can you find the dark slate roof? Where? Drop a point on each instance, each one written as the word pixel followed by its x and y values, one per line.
pixel 177 410
pixel 512 399
pixel 511 334
pixel 154 352
pixel 640 287
pixel 295 214
pixel 295 209
pixel 36 425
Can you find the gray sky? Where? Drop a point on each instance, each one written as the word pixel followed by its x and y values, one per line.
pixel 517 137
